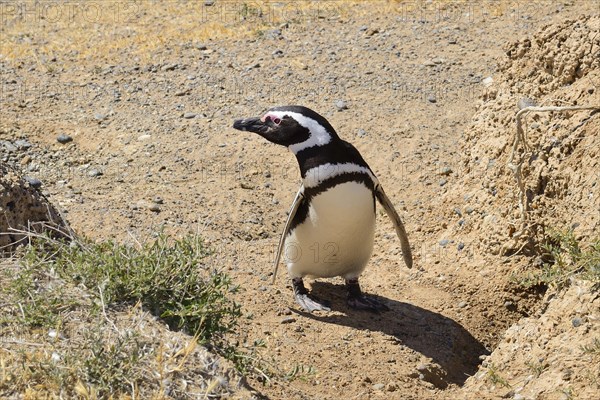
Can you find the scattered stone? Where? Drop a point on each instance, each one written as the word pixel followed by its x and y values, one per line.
pixel 33 182
pixel 158 200
pixel 208 3
pixel 487 82
pixel 361 133
pixel 288 320
pixel 462 304
pixel 438 61
pixel 22 144
pixel 274 34
pixel 277 53
pixel 444 242
pixel 460 246
pixel 341 105
pixel 99 117
pixel 189 115
pixel 143 137
pixel 371 32
pixel 469 210
pixel 431 98
pixel 446 171
pixel 169 67
pixel 576 322
pixel 378 386
pixel 443 182
pixel 9 147
pixel 64 139
pixel 246 186
pixel 452 41
pixel 429 63
pixel 94 173
pixel 154 207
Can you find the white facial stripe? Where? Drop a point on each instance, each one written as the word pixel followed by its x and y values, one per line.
pixel 315 176
pixel 318 134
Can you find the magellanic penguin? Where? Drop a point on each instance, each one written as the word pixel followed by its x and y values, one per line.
pixel 331 225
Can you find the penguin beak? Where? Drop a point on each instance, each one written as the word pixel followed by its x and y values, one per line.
pixel 250 124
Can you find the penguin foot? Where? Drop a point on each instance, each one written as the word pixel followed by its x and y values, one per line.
pixel 311 304
pixel 305 301
pixel 364 303
pixel 358 301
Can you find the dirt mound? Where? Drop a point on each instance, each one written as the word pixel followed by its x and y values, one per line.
pixel 23 208
pixel 554 352
pixel 552 355
pixel 561 171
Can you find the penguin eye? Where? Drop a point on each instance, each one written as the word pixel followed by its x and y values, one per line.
pixel 276 120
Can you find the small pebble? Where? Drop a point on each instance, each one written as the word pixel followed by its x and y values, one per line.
pixel 22 144
pixel 33 182
pixel 444 242
pixel 288 320
pixel 378 386
pixel 460 246
pixel 63 139
pixel 158 200
pixel 443 182
pixel 431 98
pixel 462 304
pixel 576 322
pixel 341 105
pixel 94 173
pixel 446 171
pixel 189 115
pixel 154 207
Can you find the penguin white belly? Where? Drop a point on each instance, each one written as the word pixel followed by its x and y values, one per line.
pixel 336 239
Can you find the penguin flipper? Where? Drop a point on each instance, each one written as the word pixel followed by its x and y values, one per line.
pixel 400 231
pixel 288 223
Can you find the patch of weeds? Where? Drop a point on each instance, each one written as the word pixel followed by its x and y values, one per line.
pixel 568 393
pixel 248 361
pixel 167 276
pixel 300 371
pixel 564 258
pixel 112 365
pixel 31 301
pixel 494 377
pixel 536 368
pixel 593 348
pixel 69 289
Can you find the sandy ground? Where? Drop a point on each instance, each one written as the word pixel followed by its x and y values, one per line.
pixel 150 116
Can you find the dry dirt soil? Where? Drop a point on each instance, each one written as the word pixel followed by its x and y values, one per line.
pixel 426 91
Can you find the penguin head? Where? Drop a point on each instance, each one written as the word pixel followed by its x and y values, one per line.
pixel 295 127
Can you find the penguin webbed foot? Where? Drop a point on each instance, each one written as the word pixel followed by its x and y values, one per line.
pixel 311 304
pixel 308 303
pixel 358 301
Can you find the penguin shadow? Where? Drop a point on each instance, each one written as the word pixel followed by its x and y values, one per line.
pixel 440 338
